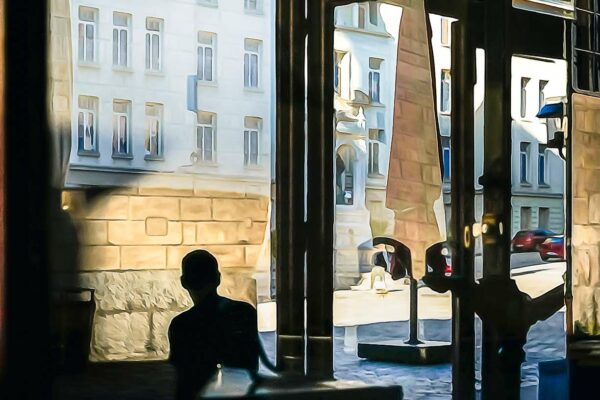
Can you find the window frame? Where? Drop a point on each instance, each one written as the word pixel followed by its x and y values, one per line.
pixel 256 10
pixel 248 133
pixel 524 174
pixel 119 29
pixel 375 80
pixel 523 103
pixel 117 134
pixel 200 151
pixel 82 46
pixel 445 32
pixel 87 112
pixel 159 156
pixel 543 158
pixel 248 64
pixel 204 47
pixel 445 107
pixel 375 141
pixel 148 43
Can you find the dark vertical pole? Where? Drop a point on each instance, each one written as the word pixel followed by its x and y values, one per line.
pixel 27 202
pixel 497 185
pixel 569 181
pixel 290 185
pixel 413 337
pixel 320 210
pixel 463 193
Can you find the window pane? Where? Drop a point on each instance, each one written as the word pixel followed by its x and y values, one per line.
pixel 246 69
pixel 81 41
pixel 208 144
pixel 148 51
pixel 123 51
pixel 120 19
pixel 254 70
pixel 200 63
pixel 208 68
pixel 89 42
pixel 115 47
pixel 80 130
pixel 246 147
pixel 155 52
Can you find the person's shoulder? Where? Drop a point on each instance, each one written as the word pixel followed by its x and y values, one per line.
pixel 180 319
pixel 235 306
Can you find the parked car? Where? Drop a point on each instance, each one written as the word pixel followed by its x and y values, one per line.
pixel 553 247
pixel 530 240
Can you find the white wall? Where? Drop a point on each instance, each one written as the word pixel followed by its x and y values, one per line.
pixel 227 97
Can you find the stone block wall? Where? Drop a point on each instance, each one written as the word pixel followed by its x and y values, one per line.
pixel 586 214
pixel 414 177
pixel 130 245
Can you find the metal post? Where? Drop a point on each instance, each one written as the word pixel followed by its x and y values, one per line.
pixel 497 379
pixel 463 193
pixel 414 315
pixel 290 198
pixel 320 193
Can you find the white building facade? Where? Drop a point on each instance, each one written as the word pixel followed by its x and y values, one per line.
pixel 537 171
pixel 364 73
pixel 172 87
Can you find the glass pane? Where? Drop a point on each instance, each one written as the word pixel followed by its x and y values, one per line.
pixel 89 42
pixel 254 70
pixel 246 69
pixel 123 48
pixel 246 147
pixel 155 52
pixel 115 47
pixel 148 55
pixel 200 72
pixel 143 181
pixel 209 64
pixel 81 41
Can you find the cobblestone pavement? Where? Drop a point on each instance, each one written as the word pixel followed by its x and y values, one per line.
pixel 546 341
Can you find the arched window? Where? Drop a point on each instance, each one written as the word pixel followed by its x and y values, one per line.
pixel 344 176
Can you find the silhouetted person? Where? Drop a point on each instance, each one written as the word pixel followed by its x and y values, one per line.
pixel 216 330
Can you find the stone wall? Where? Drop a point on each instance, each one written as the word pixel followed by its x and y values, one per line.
pixel 130 245
pixel 586 214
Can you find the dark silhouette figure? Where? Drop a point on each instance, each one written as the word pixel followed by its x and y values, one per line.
pixel 215 331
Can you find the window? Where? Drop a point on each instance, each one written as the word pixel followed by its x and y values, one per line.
pixel 586 46
pixel 87 34
pixel 252 129
pixel 524 162
pixel 542 164
pixel 524 82
pixel 154 126
pixel 251 63
pixel 544 218
pixel 211 3
pixel 337 73
pixel 153 43
pixel 447 166
pixel 121 39
pixel 373 13
pixel 121 128
pixel 374 79
pixel 206 145
pixel 445 91
pixel 362 15
pixel 525 218
pixel 251 5
pixel 376 139
pixel 206 56
pixel 344 176
pixel 445 31
pixel 542 87
pixel 87 125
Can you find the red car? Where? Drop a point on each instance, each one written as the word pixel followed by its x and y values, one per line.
pixel 530 240
pixel 553 247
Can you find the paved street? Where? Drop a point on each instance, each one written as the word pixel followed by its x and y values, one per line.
pixel 366 316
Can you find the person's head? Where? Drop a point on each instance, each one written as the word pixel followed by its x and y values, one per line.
pixel 200 274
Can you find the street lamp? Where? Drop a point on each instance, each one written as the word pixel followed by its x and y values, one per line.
pixel 554 111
